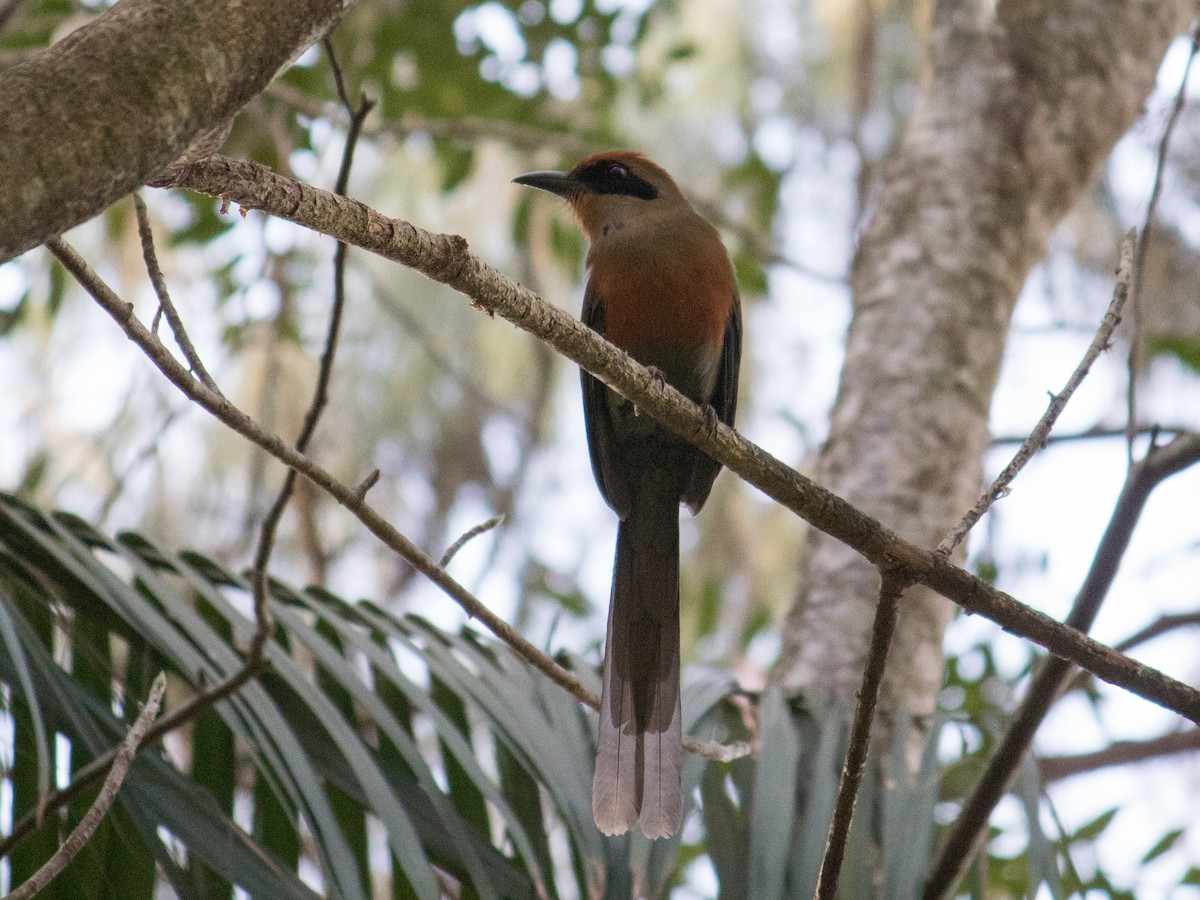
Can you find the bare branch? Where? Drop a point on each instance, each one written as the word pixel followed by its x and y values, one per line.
pixel 320 398
pixel 1143 242
pixel 894 582
pixel 83 832
pixel 1119 753
pixel 1162 625
pixel 445 258
pixel 1037 438
pixel 360 492
pixel 970 829
pixel 165 306
pixel 1099 432
pixel 470 535
pixel 1158 627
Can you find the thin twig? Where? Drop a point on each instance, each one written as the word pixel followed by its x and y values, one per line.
pixel 716 751
pixel 83 832
pixel 1119 753
pixel 446 259
pixel 340 84
pixel 1037 438
pixel 147 451
pixel 360 492
pixel 470 535
pixel 165 306
pixel 1143 242
pixel 270 525
pixel 970 828
pixel 1097 433
pixel 893 585
pixel 1157 628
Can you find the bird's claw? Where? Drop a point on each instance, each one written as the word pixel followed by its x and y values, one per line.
pixel 710 421
pixel 657 374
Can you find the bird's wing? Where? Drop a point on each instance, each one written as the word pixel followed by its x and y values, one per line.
pixel 724 404
pixel 597 417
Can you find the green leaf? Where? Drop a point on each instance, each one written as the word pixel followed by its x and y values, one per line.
pixel 457 162
pixel 1042 864
pixel 727 840
pixel 466 795
pixel 774 797
pixel 1165 843
pixel 11 318
pixel 453 741
pixel 39 737
pixel 908 810
pixel 1185 348
pixel 822 783
pixel 154 792
pixel 1096 827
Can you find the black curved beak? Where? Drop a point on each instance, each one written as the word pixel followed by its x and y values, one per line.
pixel 559 183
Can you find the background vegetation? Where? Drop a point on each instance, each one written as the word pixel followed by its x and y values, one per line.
pixel 392 750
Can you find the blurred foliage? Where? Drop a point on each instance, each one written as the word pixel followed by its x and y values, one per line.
pixel 373 715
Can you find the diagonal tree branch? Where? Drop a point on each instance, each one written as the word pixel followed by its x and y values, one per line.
pixel 445 258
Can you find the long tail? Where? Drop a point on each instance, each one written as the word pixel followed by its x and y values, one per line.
pixel 639 753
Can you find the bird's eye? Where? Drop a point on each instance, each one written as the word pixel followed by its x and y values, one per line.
pixel 618 171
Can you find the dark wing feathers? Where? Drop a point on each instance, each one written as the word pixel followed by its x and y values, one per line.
pixel 602 442
pixel 724 404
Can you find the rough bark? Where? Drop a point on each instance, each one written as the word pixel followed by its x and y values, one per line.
pixel 90 118
pixel 1018 111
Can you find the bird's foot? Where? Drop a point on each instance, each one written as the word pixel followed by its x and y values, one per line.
pixel 710 421
pixel 658 375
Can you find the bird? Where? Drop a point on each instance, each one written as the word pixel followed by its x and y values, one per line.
pixel 661 287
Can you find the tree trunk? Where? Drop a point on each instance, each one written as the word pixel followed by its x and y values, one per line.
pixel 91 118
pixel 1018 111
